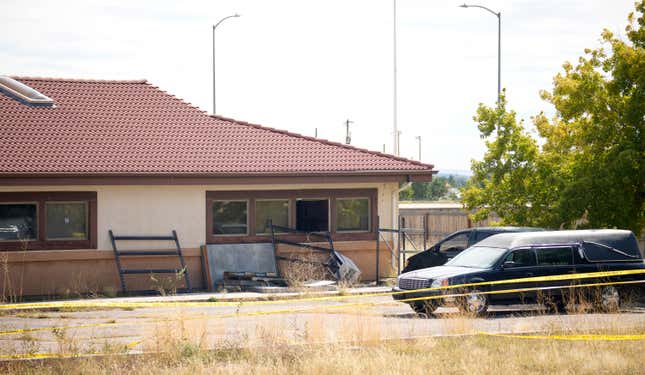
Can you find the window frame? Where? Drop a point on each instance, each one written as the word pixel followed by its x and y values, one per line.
pixel 369 216
pixel 40 198
pixel 292 195
pixel 248 217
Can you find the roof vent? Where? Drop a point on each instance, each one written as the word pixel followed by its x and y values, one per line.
pixel 24 93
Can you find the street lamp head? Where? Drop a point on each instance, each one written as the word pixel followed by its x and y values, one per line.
pixel 237 15
pixel 463 6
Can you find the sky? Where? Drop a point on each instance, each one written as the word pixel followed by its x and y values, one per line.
pixel 313 64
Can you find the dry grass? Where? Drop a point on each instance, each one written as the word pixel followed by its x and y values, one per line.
pixel 354 340
pixel 470 354
pixel 303 268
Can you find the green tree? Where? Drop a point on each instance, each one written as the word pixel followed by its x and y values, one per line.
pixel 438 188
pixel 589 170
pixel 503 180
pixel 428 191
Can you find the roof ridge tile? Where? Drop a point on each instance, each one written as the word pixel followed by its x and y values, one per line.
pixel 79 80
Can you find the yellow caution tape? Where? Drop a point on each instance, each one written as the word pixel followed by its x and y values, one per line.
pixel 126 305
pixel 324 308
pixel 521 290
pixel 314 308
pixel 62 355
pixel 575 337
pixel 27 330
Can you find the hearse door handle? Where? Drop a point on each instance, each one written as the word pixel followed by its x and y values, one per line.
pixel 529 274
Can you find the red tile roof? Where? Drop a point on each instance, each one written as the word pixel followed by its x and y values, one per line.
pixel 134 128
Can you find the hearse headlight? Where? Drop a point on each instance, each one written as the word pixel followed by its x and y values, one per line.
pixel 439 283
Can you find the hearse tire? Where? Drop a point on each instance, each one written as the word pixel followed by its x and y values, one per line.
pixel 557 306
pixel 609 299
pixel 424 309
pixel 475 303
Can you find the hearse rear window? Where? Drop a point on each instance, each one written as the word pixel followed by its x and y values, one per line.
pixel 554 256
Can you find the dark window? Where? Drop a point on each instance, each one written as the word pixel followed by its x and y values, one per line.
pixel 480 235
pixel 522 258
pixel 352 214
pixel 230 217
pixel 556 256
pixel 18 221
pixel 312 215
pixel 456 243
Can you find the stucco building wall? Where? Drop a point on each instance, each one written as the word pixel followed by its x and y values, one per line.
pixel 153 210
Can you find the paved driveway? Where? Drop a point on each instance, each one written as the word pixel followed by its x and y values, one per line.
pixel 295 322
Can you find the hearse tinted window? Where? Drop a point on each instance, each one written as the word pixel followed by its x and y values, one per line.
pixel 480 235
pixel 554 256
pixel 456 243
pixel 522 258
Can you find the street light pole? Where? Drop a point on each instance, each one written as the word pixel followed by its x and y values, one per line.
pixel 418 137
pixel 215 27
pixel 499 45
pixel 395 151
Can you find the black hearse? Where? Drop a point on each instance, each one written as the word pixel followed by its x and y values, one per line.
pixel 447 248
pixel 525 255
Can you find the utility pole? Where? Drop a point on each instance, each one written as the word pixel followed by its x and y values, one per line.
pixel 418 137
pixel 315 132
pixel 398 141
pixel 348 136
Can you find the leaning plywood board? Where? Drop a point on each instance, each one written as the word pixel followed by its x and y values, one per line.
pixel 252 257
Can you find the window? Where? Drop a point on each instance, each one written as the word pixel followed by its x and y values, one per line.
pixel 47 220
pixel 66 220
pixel 230 217
pixel 243 216
pixel 522 258
pixel 557 256
pixel 482 234
pixel 352 214
pixel 275 211
pixel 18 221
pixel 456 243
pixel 477 257
pixel 312 215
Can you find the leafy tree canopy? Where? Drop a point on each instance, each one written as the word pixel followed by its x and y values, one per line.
pixel 589 170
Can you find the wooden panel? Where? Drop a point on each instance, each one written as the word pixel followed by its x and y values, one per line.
pixel 442 221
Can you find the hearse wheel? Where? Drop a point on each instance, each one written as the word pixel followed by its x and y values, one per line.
pixel 609 299
pixel 474 303
pixel 424 309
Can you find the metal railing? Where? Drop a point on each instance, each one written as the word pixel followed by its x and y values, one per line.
pixel 403 237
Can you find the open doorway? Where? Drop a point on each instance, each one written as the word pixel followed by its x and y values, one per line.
pixel 312 215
